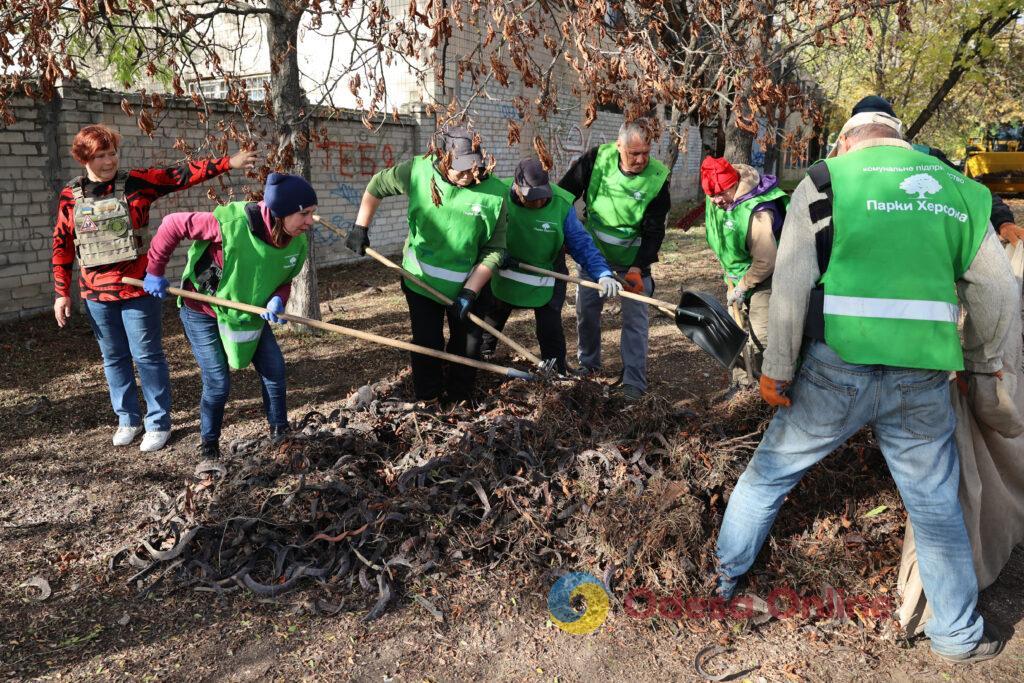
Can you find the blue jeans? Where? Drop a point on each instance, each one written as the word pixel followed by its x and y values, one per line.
pixel 633 338
pixel 131 330
pixel 201 330
pixel 912 418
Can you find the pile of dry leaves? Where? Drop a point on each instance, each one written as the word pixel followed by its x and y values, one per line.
pixel 536 479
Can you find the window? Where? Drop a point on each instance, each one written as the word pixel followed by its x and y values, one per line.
pixel 217 89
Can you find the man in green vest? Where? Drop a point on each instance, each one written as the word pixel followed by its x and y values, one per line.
pixel 542 226
pixel 743 216
pixel 457 221
pixel 882 244
pixel 627 198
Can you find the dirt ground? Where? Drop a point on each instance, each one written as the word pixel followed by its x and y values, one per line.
pixel 68 500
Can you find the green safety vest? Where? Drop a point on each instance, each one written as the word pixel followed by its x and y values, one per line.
pixel 535 236
pixel 616 204
pixel 907 227
pixel 727 232
pixel 445 241
pixel 252 272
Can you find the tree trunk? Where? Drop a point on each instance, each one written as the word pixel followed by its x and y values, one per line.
pixel 290 108
pixel 738 143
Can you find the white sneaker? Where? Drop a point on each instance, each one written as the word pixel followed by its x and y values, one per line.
pixel 154 441
pixel 125 435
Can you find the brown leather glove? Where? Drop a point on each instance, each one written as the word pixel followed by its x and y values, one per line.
pixel 1010 232
pixel 773 391
pixel 634 282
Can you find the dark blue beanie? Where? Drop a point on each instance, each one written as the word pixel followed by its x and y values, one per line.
pixel 286 194
pixel 873 103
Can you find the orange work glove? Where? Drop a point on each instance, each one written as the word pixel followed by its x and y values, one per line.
pixel 634 282
pixel 773 391
pixel 1010 232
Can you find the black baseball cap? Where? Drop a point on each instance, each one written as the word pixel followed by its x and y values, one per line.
pixel 531 180
pixel 873 103
pixel 459 142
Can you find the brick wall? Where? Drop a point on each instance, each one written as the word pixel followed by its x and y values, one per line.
pixel 35 162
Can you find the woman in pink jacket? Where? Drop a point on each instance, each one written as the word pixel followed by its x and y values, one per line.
pixel 249 253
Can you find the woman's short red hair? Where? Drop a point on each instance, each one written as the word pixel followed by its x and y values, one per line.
pixel 92 140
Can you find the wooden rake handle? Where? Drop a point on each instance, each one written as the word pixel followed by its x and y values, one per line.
pixel 663 305
pixel 347 331
pixel 522 350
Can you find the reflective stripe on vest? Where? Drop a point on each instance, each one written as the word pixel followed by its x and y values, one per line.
pixel 434 271
pixel 238 336
pixel 618 241
pixel 902 309
pixel 527 279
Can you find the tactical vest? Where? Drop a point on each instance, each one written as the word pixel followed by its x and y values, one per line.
pixel 535 237
pixel 252 272
pixel 616 204
pixel 445 241
pixel 727 231
pixel 103 227
pixel 905 228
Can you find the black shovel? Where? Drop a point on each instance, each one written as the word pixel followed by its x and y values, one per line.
pixel 699 316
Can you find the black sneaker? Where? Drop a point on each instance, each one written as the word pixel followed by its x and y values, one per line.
pixel 990 645
pixel 278 431
pixel 209 450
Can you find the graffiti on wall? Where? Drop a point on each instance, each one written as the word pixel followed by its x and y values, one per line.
pixel 350 164
pixel 507 111
pixel 362 155
pixel 350 196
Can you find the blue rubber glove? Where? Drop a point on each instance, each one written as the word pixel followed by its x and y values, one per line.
pixel 155 285
pixel 460 307
pixel 274 308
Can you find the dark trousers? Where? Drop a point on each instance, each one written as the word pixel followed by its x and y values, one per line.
pixel 432 376
pixel 548 322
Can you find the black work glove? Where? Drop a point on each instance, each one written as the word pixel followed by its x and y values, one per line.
pixel 509 261
pixel 358 239
pixel 460 307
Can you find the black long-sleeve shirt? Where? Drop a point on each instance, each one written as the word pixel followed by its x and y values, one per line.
pixel 652 225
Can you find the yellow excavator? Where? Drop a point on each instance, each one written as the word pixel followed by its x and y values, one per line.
pixel 995 158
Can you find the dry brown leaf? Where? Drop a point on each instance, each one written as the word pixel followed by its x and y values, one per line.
pixel 542 153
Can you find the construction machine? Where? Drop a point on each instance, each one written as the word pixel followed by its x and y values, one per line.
pixel 995 158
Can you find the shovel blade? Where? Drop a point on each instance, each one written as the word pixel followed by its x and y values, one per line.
pixel 708 325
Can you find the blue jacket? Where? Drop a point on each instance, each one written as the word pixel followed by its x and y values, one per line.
pixel 581 247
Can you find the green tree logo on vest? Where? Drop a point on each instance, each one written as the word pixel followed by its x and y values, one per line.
pixel 291 261
pixel 638 196
pixel 730 224
pixel 474 210
pixel 921 184
pixel 544 226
